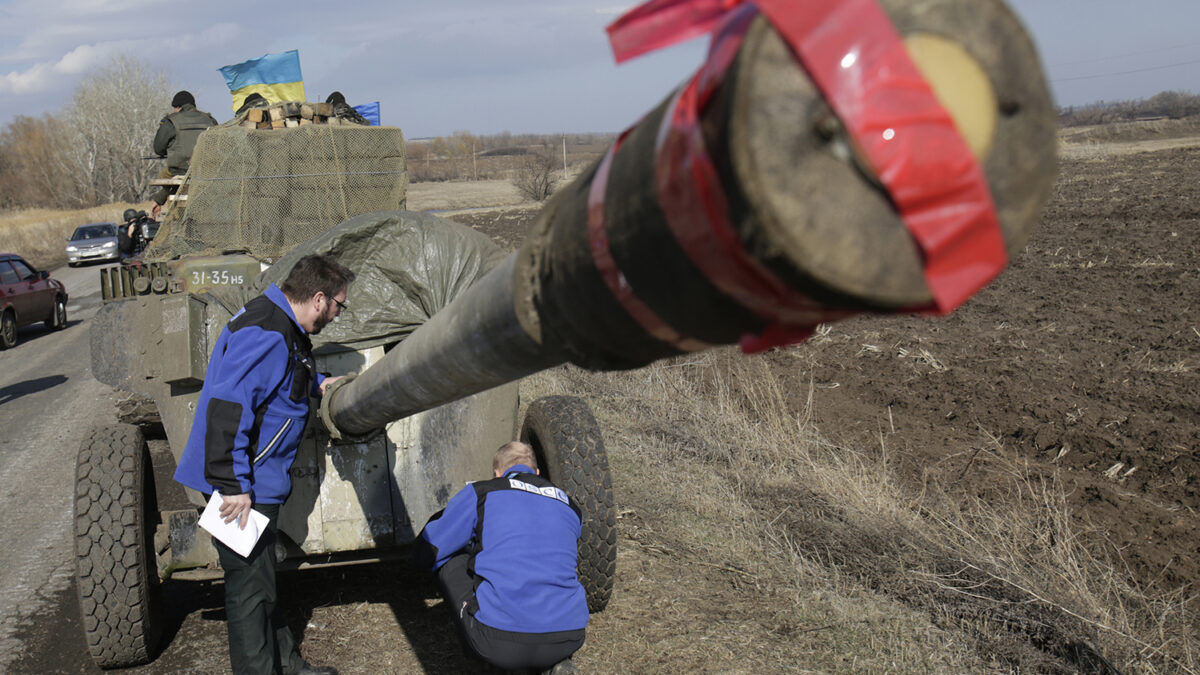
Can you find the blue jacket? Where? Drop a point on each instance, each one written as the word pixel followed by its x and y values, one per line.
pixel 522 534
pixel 253 407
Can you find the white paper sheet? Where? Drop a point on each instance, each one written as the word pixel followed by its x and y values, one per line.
pixel 241 541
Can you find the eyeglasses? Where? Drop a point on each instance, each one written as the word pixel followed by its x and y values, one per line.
pixel 329 298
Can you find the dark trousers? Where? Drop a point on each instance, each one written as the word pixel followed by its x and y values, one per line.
pixel 260 641
pixel 501 648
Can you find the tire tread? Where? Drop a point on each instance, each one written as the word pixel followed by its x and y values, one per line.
pixel 117 595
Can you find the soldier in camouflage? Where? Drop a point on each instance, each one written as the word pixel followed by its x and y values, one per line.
pixel 176 138
pixel 345 110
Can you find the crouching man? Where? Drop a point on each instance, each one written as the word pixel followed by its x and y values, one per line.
pixel 505 552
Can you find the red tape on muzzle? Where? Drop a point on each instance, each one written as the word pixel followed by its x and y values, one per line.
pixel 858 61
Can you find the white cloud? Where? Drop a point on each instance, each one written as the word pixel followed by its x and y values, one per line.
pixel 32 80
pixel 85 57
pixel 58 73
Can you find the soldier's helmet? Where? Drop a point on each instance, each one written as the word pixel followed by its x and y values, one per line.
pixel 129 215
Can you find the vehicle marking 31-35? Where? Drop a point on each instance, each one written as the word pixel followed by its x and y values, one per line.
pixel 215 278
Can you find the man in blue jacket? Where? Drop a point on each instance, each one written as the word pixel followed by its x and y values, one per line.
pixel 252 413
pixel 505 553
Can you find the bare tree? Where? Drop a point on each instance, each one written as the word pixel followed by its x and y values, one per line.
pixel 114 115
pixel 462 145
pixel 534 177
pixel 37 167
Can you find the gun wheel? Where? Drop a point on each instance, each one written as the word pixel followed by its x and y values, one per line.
pixel 570 452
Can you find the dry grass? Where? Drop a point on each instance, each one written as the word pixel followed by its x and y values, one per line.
pixel 751 543
pixel 39 235
pixel 1096 143
pixel 449 196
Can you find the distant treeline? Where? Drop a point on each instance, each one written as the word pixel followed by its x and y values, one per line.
pixel 1168 104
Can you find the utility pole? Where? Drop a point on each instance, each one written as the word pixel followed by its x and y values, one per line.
pixel 564 155
pixel 474 166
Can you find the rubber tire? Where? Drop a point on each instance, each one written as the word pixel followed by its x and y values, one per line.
pixel 58 320
pixel 116 575
pixel 8 331
pixel 570 453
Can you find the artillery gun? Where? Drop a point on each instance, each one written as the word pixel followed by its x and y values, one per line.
pixel 746 208
pixel 253 195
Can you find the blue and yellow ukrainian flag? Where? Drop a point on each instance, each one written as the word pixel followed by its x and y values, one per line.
pixel 275 76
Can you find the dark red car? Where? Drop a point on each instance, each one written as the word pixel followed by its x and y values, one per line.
pixel 28 296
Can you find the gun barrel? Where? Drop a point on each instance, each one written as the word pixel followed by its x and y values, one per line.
pixel 473 344
pixel 620 269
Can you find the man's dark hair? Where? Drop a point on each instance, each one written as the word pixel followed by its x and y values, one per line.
pixel 182 98
pixel 316 274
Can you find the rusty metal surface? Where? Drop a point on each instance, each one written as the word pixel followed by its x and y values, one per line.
pixel 143 345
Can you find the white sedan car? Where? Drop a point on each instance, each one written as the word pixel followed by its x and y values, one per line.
pixel 95 241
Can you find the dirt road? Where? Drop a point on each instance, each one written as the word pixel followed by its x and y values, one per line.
pixel 48 400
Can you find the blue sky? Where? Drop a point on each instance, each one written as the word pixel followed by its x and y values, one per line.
pixel 487 66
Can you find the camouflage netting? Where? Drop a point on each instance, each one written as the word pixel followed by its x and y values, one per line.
pixel 265 191
pixel 409 265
